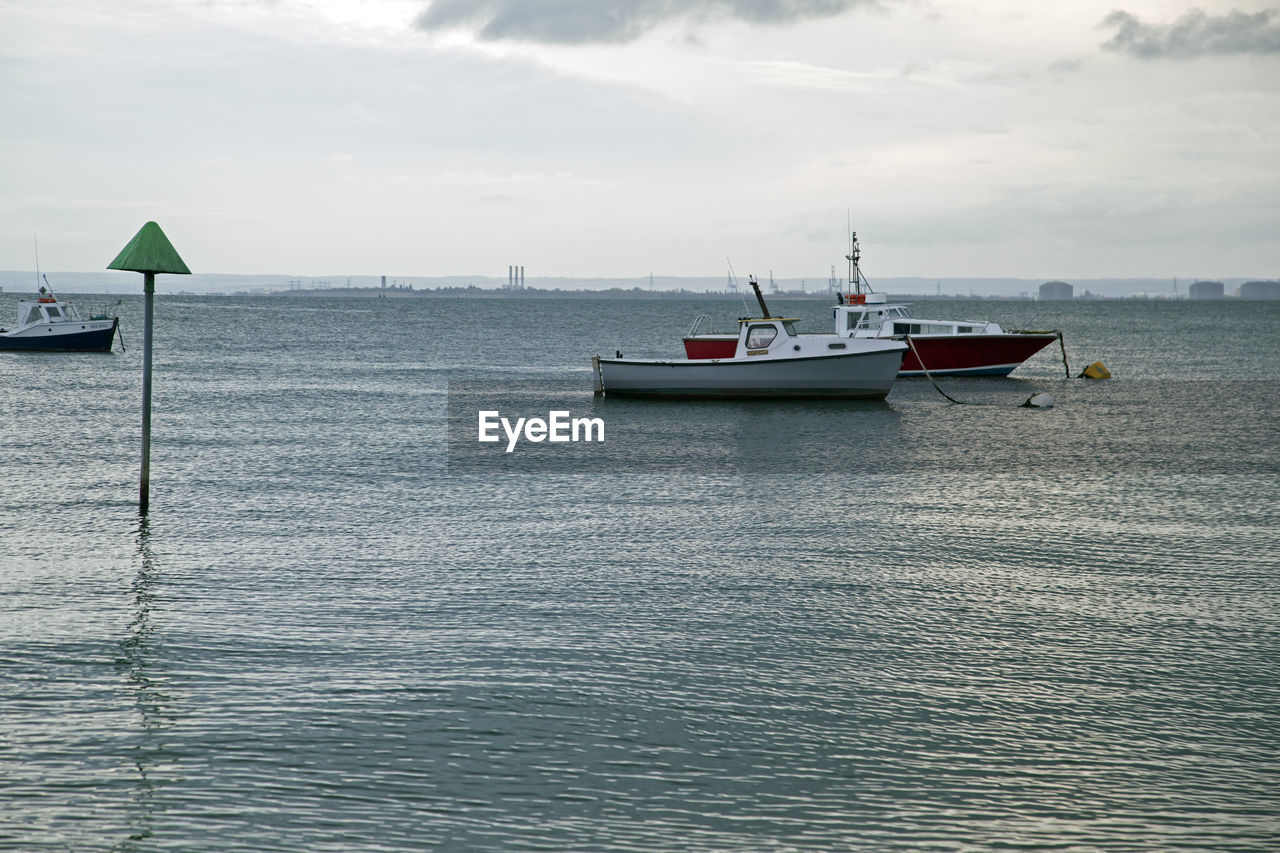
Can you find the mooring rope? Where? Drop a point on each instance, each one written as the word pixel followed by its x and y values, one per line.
pixel 1062 342
pixel 938 388
pixel 912 344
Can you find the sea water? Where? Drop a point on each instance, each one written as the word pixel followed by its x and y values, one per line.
pixel 769 625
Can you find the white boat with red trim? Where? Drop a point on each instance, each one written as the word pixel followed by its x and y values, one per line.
pixel 942 347
pixel 769 359
pixel 52 324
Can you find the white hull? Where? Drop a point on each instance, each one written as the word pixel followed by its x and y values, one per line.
pixel 53 325
pixel 855 375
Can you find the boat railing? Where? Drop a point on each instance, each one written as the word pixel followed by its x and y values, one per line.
pixel 696 328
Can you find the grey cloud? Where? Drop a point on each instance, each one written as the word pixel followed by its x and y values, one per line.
pixel 594 21
pixel 1195 34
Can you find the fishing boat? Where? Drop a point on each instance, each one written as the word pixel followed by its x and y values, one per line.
pixel 769 359
pixel 941 347
pixel 52 324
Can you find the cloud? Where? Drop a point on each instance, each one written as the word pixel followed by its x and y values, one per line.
pixel 1195 34
pixel 593 21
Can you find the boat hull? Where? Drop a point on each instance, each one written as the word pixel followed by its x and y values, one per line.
pixel 91 336
pixel 711 346
pixel 972 355
pixel 858 375
pixel 945 355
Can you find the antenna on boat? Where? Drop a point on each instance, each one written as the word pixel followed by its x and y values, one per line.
pixel 36 243
pixel 855 254
pixel 857 281
pixel 733 286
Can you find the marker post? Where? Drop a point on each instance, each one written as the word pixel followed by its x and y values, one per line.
pixel 149 252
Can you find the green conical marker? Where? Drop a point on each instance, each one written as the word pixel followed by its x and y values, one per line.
pixel 149 252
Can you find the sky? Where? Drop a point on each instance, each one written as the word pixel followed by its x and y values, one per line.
pixel 674 137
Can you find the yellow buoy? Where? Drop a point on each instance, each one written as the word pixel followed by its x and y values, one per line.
pixel 1097 370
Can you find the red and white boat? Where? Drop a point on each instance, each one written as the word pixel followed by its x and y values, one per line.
pixel 941 347
pixel 766 358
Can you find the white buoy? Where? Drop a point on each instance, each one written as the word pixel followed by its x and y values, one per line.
pixel 1039 401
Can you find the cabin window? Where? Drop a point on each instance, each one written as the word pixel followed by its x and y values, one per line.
pixel 906 328
pixel 759 337
pixel 790 328
pixel 54 313
pixel 835 346
pixel 34 315
pixel 966 330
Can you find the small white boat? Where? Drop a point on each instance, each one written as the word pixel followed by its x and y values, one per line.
pixel 51 324
pixel 770 359
pixel 943 347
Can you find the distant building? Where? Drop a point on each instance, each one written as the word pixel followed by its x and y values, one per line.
pixel 1260 290
pixel 1056 290
pixel 1205 290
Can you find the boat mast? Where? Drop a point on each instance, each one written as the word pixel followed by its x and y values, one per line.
pixel 759 297
pixel 855 254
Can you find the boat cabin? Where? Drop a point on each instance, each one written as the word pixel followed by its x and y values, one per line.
pixel 868 315
pixel 757 337
pixel 864 315
pixel 775 337
pixel 46 310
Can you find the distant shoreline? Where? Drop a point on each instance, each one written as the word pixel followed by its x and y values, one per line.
pixel 637 293
pixel 552 287
pixel 539 293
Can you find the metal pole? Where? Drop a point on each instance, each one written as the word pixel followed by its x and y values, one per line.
pixel 144 486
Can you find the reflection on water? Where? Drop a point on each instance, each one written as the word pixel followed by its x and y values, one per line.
pixel 135 662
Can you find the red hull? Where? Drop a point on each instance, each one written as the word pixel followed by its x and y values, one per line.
pixel 708 347
pixel 973 355
pixel 956 355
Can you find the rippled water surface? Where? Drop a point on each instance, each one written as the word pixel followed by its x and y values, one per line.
pixel 766 626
